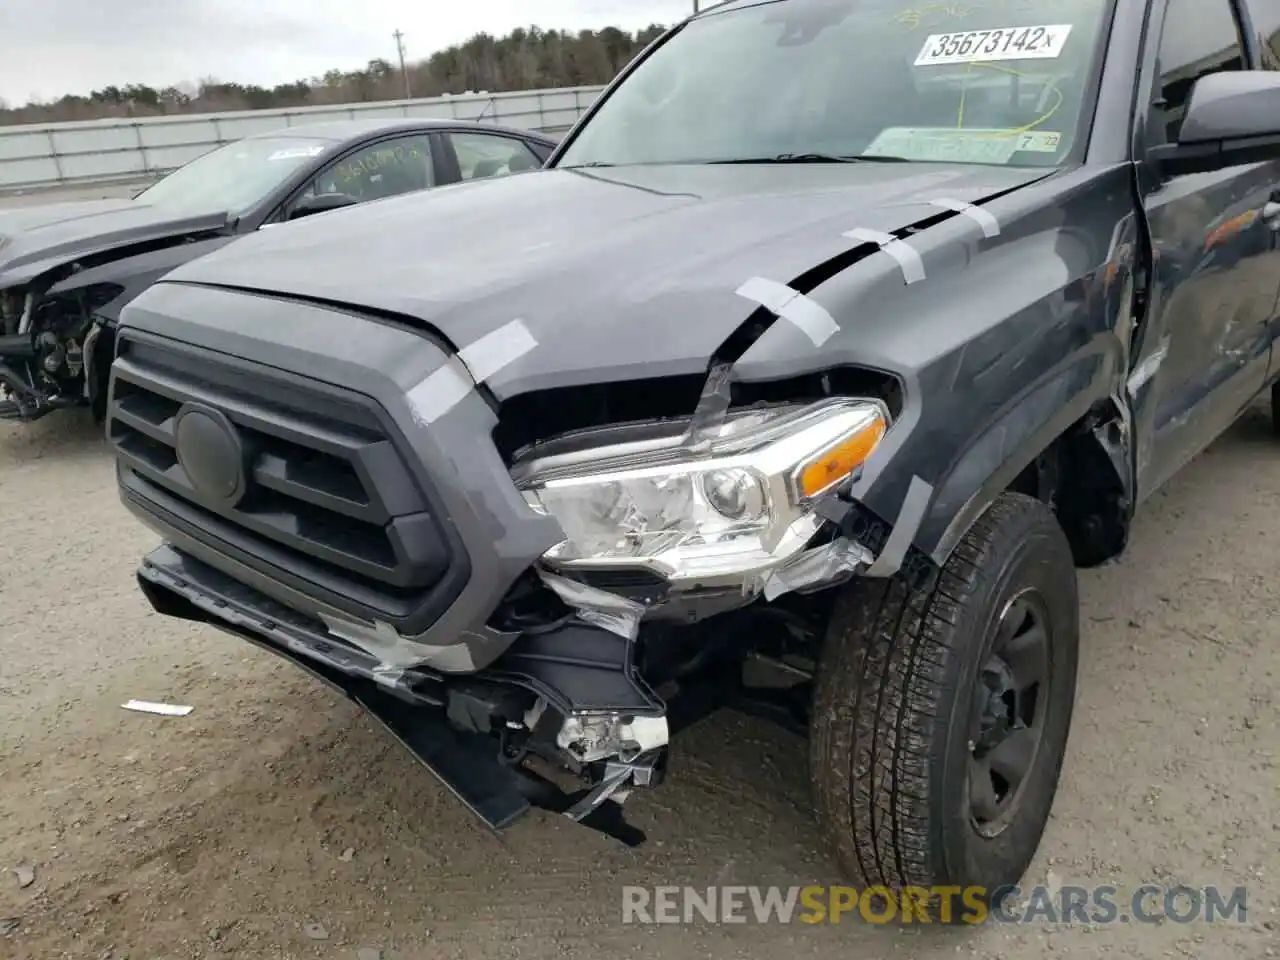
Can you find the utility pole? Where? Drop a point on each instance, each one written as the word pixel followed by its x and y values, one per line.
pixel 695 7
pixel 408 94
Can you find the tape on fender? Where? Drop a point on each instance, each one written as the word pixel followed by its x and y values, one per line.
pixel 908 260
pixel 990 226
pixel 905 528
pixel 443 389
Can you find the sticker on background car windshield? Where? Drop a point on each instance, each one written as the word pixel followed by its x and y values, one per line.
pixel 1002 43
pixel 947 144
pixel 295 153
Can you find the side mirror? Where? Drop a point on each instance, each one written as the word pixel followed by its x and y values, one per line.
pixel 321 203
pixel 1231 118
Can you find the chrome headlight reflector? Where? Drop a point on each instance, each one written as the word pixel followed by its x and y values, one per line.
pixel 740 506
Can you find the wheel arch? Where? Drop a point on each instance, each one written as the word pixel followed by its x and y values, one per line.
pixel 1066 446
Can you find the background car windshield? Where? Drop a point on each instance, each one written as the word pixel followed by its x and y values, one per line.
pixel 234 177
pixel 969 81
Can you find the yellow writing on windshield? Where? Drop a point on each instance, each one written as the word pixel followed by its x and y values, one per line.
pixel 1051 86
pixel 942 11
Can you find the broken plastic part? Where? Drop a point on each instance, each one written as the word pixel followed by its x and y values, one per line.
pixel 820 567
pixel 591 738
pixel 597 607
pixel 617 776
pixel 901 251
pixel 640 736
pixel 163 709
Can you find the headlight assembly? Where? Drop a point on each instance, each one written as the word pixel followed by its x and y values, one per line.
pixel 742 506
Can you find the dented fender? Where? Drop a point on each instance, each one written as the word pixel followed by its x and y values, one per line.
pixel 1010 339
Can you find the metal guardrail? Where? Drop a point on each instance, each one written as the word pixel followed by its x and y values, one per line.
pixel 36 156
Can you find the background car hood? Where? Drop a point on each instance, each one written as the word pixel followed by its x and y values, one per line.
pixel 617 273
pixel 35 239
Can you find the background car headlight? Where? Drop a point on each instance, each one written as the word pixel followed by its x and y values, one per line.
pixel 741 506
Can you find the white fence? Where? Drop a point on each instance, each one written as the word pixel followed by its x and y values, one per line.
pixel 101 151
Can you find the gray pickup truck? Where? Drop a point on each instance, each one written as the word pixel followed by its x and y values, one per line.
pixel 828 345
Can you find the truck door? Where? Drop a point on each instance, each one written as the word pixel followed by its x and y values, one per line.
pixel 1264 20
pixel 1216 274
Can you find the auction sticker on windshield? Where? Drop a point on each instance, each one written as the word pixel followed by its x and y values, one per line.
pixel 950 145
pixel 961 146
pixel 1003 43
pixel 296 153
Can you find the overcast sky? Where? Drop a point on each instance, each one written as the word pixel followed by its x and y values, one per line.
pixel 52 47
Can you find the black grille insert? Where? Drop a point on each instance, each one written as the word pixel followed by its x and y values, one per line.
pixel 327 498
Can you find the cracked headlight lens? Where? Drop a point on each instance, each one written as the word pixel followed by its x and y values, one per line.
pixel 741 505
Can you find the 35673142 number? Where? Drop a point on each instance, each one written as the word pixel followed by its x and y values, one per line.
pixel 1001 43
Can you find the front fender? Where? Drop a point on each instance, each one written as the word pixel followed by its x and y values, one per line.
pixel 994 458
pixel 1002 345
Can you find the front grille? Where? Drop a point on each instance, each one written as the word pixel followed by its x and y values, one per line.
pixel 329 505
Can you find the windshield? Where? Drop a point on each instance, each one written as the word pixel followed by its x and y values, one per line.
pixel 235 177
pixel 962 81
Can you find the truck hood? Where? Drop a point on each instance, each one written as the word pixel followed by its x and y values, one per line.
pixel 617 273
pixel 36 239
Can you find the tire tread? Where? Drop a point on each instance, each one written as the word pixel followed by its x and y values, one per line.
pixel 888 664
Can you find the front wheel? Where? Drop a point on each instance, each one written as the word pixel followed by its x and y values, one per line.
pixel 940 715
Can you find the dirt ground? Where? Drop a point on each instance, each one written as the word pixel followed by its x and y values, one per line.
pixel 275 813
pixel 275 804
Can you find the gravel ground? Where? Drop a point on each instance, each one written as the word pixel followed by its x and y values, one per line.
pixel 277 822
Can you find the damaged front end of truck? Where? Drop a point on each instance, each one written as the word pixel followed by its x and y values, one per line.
pixel 537 626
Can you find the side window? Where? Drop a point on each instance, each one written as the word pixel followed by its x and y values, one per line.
pixel 382 169
pixel 1200 37
pixel 541 150
pixel 482 155
pixel 1266 20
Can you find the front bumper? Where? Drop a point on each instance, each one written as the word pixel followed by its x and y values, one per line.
pixel 321 491
pixel 575 669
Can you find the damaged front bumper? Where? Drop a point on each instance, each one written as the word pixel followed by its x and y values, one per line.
pixel 487 611
pixel 495 738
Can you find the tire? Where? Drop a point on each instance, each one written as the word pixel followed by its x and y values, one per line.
pixel 1275 409
pixel 894 702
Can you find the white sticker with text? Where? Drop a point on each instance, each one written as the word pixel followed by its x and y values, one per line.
pixel 948 144
pixel 1002 43
pixel 296 153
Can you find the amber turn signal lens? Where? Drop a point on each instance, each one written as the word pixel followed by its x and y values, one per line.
pixel 841 460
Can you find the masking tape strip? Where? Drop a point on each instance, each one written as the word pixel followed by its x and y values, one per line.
pixel 381 640
pixel 990 226
pixel 1148 367
pixel 791 305
pixel 910 262
pixel 904 530
pixel 713 407
pixel 602 609
pixel 445 388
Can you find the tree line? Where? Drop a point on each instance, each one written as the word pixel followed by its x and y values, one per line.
pixel 525 59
